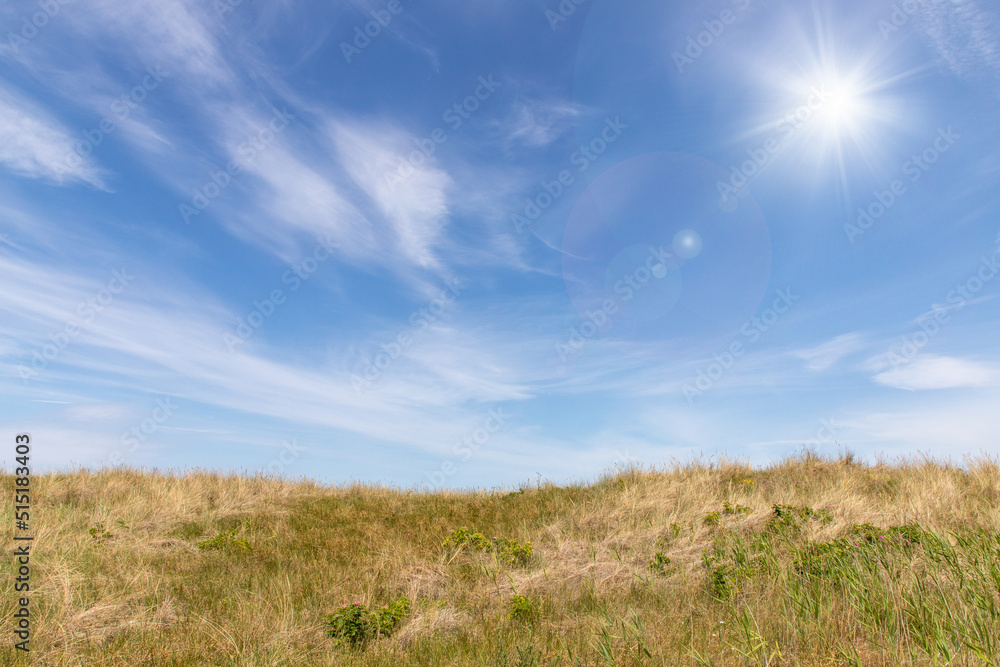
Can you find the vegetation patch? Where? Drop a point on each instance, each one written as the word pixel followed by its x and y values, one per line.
pixel 354 625
pixel 523 609
pixel 659 563
pixel 788 518
pixel 225 540
pixel 99 533
pixel 735 510
pixel 508 550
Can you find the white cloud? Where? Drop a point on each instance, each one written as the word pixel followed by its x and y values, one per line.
pixel 823 356
pixel 304 202
pixel 937 373
pixel 35 145
pixel 538 123
pixel 167 32
pixel 165 335
pixel 965 34
pixel 415 205
pixel 99 412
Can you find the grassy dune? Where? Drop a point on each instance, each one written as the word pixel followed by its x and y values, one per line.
pixel 809 562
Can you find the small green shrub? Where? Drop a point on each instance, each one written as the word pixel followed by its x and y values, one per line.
pixel 508 550
pixel 712 519
pixel 820 559
pixel 659 563
pixel 733 561
pixel 462 537
pixel 725 578
pixel 354 625
pixel 737 510
pixel 906 535
pixel 790 518
pixel 98 532
pixel 523 609
pixel 512 552
pixel 224 540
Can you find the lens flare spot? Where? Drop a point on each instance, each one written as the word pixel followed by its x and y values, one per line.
pixel 687 244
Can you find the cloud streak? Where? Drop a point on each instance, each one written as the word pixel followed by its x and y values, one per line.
pixel 929 372
pixel 33 144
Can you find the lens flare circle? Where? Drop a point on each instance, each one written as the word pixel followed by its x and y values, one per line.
pixel 687 243
pixel 647 243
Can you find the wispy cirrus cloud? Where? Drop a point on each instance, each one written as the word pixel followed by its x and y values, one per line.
pixel 34 144
pixel 536 123
pixel 824 356
pixel 967 35
pixel 163 335
pixel 414 204
pixel 928 372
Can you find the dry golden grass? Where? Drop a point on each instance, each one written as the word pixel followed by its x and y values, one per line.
pixel 147 595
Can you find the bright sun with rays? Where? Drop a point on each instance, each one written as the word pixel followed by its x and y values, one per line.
pixel 842 107
pixel 844 129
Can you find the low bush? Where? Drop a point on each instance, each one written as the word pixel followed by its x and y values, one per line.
pixel 659 563
pixel 354 625
pixel 224 540
pixel 523 609
pixel 507 550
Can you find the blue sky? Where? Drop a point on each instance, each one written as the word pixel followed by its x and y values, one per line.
pixel 470 244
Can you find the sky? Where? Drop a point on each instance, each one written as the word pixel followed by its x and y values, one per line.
pixel 446 244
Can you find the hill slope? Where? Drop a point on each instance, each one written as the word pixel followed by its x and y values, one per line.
pixel 810 562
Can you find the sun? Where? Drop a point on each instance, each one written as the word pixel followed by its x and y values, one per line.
pixel 843 105
pixel 846 113
pixel 829 102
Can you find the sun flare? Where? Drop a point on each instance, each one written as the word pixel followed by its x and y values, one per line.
pixel 843 105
